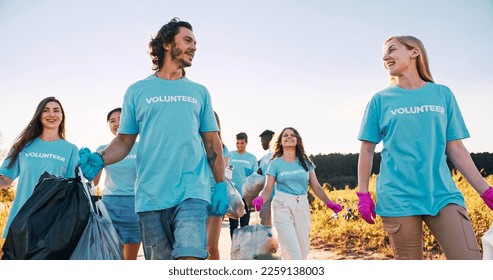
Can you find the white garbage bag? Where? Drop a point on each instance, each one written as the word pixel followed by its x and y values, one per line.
pixel 236 208
pixel 487 241
pixel 252 186
pixel 254 242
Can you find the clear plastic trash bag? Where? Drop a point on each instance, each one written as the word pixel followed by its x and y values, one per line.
pixel 254 242
pixel 236 208
pixel 100 240
pixel 228 172
pixel 252 185
pixel 487 241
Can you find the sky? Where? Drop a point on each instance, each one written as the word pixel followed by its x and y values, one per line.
pixel 312 65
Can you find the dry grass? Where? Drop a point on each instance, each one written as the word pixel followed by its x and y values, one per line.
pixel 355 239
pixel 352 238
pixel 6 199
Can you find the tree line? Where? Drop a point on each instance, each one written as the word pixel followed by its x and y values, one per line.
pixel 341 170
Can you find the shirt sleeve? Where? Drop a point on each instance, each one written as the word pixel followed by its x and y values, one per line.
pixel 370 126
pixel 255 164
pixel 456 126
pixel 272 169
pixel 12 172
pixel 311 167
pixel 74 160
pixel 226 152
pixel 208 121
pixel 128 120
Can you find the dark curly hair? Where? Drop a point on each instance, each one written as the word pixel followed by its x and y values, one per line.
pixel 300 149
pixel 165 35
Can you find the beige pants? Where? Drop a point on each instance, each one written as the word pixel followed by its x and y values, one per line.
pixel 265 213
pixel 292 220
pixel 452 228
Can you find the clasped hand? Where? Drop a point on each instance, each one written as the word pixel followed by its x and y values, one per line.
pixel 90 163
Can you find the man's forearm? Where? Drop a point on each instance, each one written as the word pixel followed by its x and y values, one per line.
pixel 118 149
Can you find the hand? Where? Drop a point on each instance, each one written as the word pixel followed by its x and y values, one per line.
pixel 90 163
pixel 366 207
pixel 487 196
pixel 84 152
pixel 219 200
pixel 334 206
pixel 248 171
pixel 257 203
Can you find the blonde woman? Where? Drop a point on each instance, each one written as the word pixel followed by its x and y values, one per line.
pixel 420 125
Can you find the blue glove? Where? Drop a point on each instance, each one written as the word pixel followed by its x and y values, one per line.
pixel 90 163
pixel 219 200
pixel 84 152
pixel 248 171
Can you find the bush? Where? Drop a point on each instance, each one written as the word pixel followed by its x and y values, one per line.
pixel 6 199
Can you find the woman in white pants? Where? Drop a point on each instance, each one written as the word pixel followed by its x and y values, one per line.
pixel 293 171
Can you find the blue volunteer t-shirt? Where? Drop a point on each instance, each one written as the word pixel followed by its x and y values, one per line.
pixel 240 162
pixel 120 177
pixel 55 157
pixel 415 126
pixel 264 162
pixel 226 154
pixel 291 177
pixel 169 116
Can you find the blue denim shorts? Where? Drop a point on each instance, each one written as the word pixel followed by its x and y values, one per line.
pixel 175 232
pixel 122 213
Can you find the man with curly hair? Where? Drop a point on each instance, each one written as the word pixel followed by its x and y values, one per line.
pixel 176 123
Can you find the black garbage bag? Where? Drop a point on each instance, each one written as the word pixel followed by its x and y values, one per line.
pixel 50 223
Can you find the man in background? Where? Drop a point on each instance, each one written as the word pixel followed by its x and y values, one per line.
pixel 265 139
pixel 244 164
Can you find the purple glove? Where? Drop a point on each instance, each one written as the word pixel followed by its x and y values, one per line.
pixel 366 207
pixel 334 206
pixel 257 203
pixel 487 196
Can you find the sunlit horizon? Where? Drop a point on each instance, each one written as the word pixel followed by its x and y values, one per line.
pixel 267 64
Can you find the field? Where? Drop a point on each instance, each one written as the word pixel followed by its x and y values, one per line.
pixel 6 199
pixel 353 238
pixel 347 235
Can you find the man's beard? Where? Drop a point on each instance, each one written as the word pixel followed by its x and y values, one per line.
pixel 175 52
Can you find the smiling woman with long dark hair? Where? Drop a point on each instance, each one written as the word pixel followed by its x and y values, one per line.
pixel 41 147
pixel 292 172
